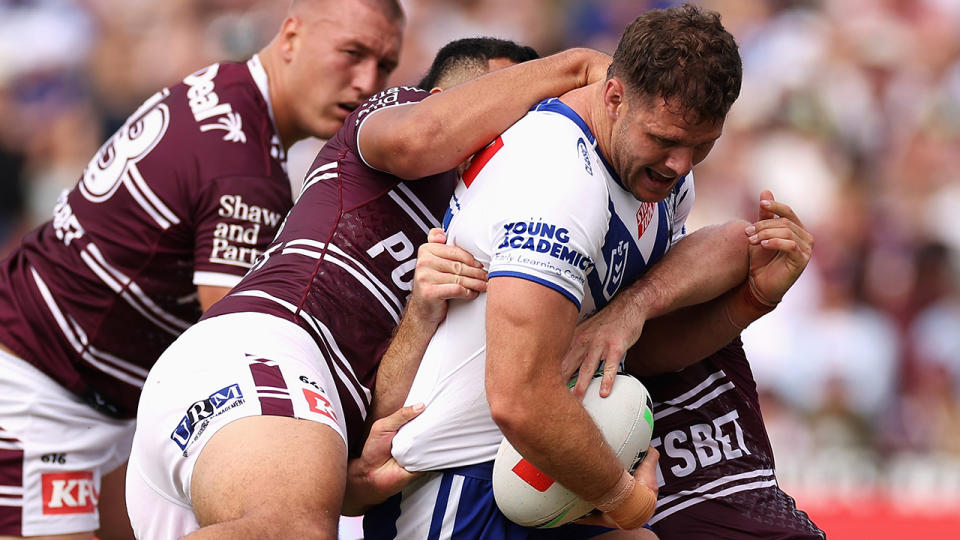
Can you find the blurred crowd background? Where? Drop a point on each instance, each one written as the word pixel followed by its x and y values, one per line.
pixel 850 112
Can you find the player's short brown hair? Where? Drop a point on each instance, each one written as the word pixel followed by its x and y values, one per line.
pixel 683 55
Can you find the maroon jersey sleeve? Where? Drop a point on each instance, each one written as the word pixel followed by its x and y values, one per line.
pixel 239 217
pixel 398 95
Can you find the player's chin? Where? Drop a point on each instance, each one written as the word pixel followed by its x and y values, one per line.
pixel 325 126
pixel 651 193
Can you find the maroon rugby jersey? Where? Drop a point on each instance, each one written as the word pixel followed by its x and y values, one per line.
pixel 716 469
pixel 189 191
pixel 342 265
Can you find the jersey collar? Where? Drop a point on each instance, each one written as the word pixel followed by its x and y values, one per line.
pixel 263 84
pixel 559 107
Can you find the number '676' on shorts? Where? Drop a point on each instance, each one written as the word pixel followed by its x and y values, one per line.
pixel 54 449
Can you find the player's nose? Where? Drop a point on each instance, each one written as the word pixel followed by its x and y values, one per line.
pixel 367 79
pixel 680 160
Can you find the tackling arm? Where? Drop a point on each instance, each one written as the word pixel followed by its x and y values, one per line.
pixel 440 132
pixel 700 267
pixel 443 272
pixel 688 335
pixel 779 249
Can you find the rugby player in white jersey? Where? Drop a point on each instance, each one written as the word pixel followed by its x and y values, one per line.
pixel 572 203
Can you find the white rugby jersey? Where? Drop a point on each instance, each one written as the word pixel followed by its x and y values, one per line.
pixel 540 203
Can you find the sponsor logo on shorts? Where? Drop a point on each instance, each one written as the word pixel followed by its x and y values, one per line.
pixel 69 493
pixel 319 404
pixel 306 380
pixel 200 412
pixel 58 458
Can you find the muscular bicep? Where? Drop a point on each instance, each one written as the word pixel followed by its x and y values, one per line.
pixel 529 327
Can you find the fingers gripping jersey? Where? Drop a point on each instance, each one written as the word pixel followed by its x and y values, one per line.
pixel 188 192
pixel 342 265
pixel 539 204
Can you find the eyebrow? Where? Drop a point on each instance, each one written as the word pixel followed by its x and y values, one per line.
pixel 672 140
pixel 388 62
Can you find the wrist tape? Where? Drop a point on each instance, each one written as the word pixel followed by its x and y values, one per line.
pixel 629 504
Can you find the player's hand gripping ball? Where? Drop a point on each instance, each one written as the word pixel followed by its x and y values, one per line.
pixel 530 498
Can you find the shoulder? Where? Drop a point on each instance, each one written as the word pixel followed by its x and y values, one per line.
pixel 547 151
pixel 547 127
pixel 221 115
pixel 552 140
pixel 222 88
pixel 348 135
pixel 398 95
pixel 222 103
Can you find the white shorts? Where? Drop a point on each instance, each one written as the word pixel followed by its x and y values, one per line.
pixel 54 449
pixel 220 370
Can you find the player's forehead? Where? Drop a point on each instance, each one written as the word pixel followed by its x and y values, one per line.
pixel 670 121
pixel 357 23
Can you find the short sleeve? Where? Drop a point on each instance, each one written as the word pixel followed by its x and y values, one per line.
pixel 391 97
pixel 239 217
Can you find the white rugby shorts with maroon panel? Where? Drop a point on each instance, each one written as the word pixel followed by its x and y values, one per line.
pixel 220 370
pixel 54 449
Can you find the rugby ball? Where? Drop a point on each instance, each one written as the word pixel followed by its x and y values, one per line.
pixel 530 498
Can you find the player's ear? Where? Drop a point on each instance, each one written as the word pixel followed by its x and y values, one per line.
pixel 289 34
pixel 435 90
pixel 613 97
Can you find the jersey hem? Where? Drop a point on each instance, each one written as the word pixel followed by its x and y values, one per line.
pixel 541 281
pixel 216 279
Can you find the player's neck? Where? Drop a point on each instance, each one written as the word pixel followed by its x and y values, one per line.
pixel 269 58
pixel 587 102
